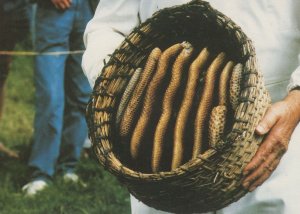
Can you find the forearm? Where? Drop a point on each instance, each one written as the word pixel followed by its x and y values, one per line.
pixel 293 96
pixel 100 35
pixel 293 99
pixel 98 46
pixel 295 78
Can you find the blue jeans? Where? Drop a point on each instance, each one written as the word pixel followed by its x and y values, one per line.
pixel 62 90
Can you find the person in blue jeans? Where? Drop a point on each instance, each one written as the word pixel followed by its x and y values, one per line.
pixel 62 92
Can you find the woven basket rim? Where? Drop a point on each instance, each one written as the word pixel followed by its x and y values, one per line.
pixel 103 145
pixel 201 157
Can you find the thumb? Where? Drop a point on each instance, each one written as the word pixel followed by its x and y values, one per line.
pixel 268 121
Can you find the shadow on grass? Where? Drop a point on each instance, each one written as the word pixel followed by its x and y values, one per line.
pixel 97 192
pixel 14 169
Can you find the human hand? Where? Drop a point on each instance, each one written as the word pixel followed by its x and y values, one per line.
pixel 278 123
pixel 62 4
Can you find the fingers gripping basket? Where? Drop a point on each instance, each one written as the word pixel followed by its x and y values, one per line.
pixel 212 179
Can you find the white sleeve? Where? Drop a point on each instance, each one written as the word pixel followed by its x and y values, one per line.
pixel 101 38
pixel 295 77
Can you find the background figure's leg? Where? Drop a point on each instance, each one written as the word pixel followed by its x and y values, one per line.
pixel 52 34
pixel 2 93
pixel 7 43
pixel 4 69
pixel 77 93
pixel 8 39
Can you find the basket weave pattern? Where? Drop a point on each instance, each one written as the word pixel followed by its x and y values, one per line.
pixel 213 179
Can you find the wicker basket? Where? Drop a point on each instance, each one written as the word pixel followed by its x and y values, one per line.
pixel 212 180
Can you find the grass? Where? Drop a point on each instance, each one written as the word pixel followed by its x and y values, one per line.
pixel 101 193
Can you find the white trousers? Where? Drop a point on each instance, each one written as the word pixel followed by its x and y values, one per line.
pixel 280 194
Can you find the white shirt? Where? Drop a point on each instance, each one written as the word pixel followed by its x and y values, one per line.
pixel 273 26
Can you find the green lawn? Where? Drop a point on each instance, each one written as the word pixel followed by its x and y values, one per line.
pixel 101 194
